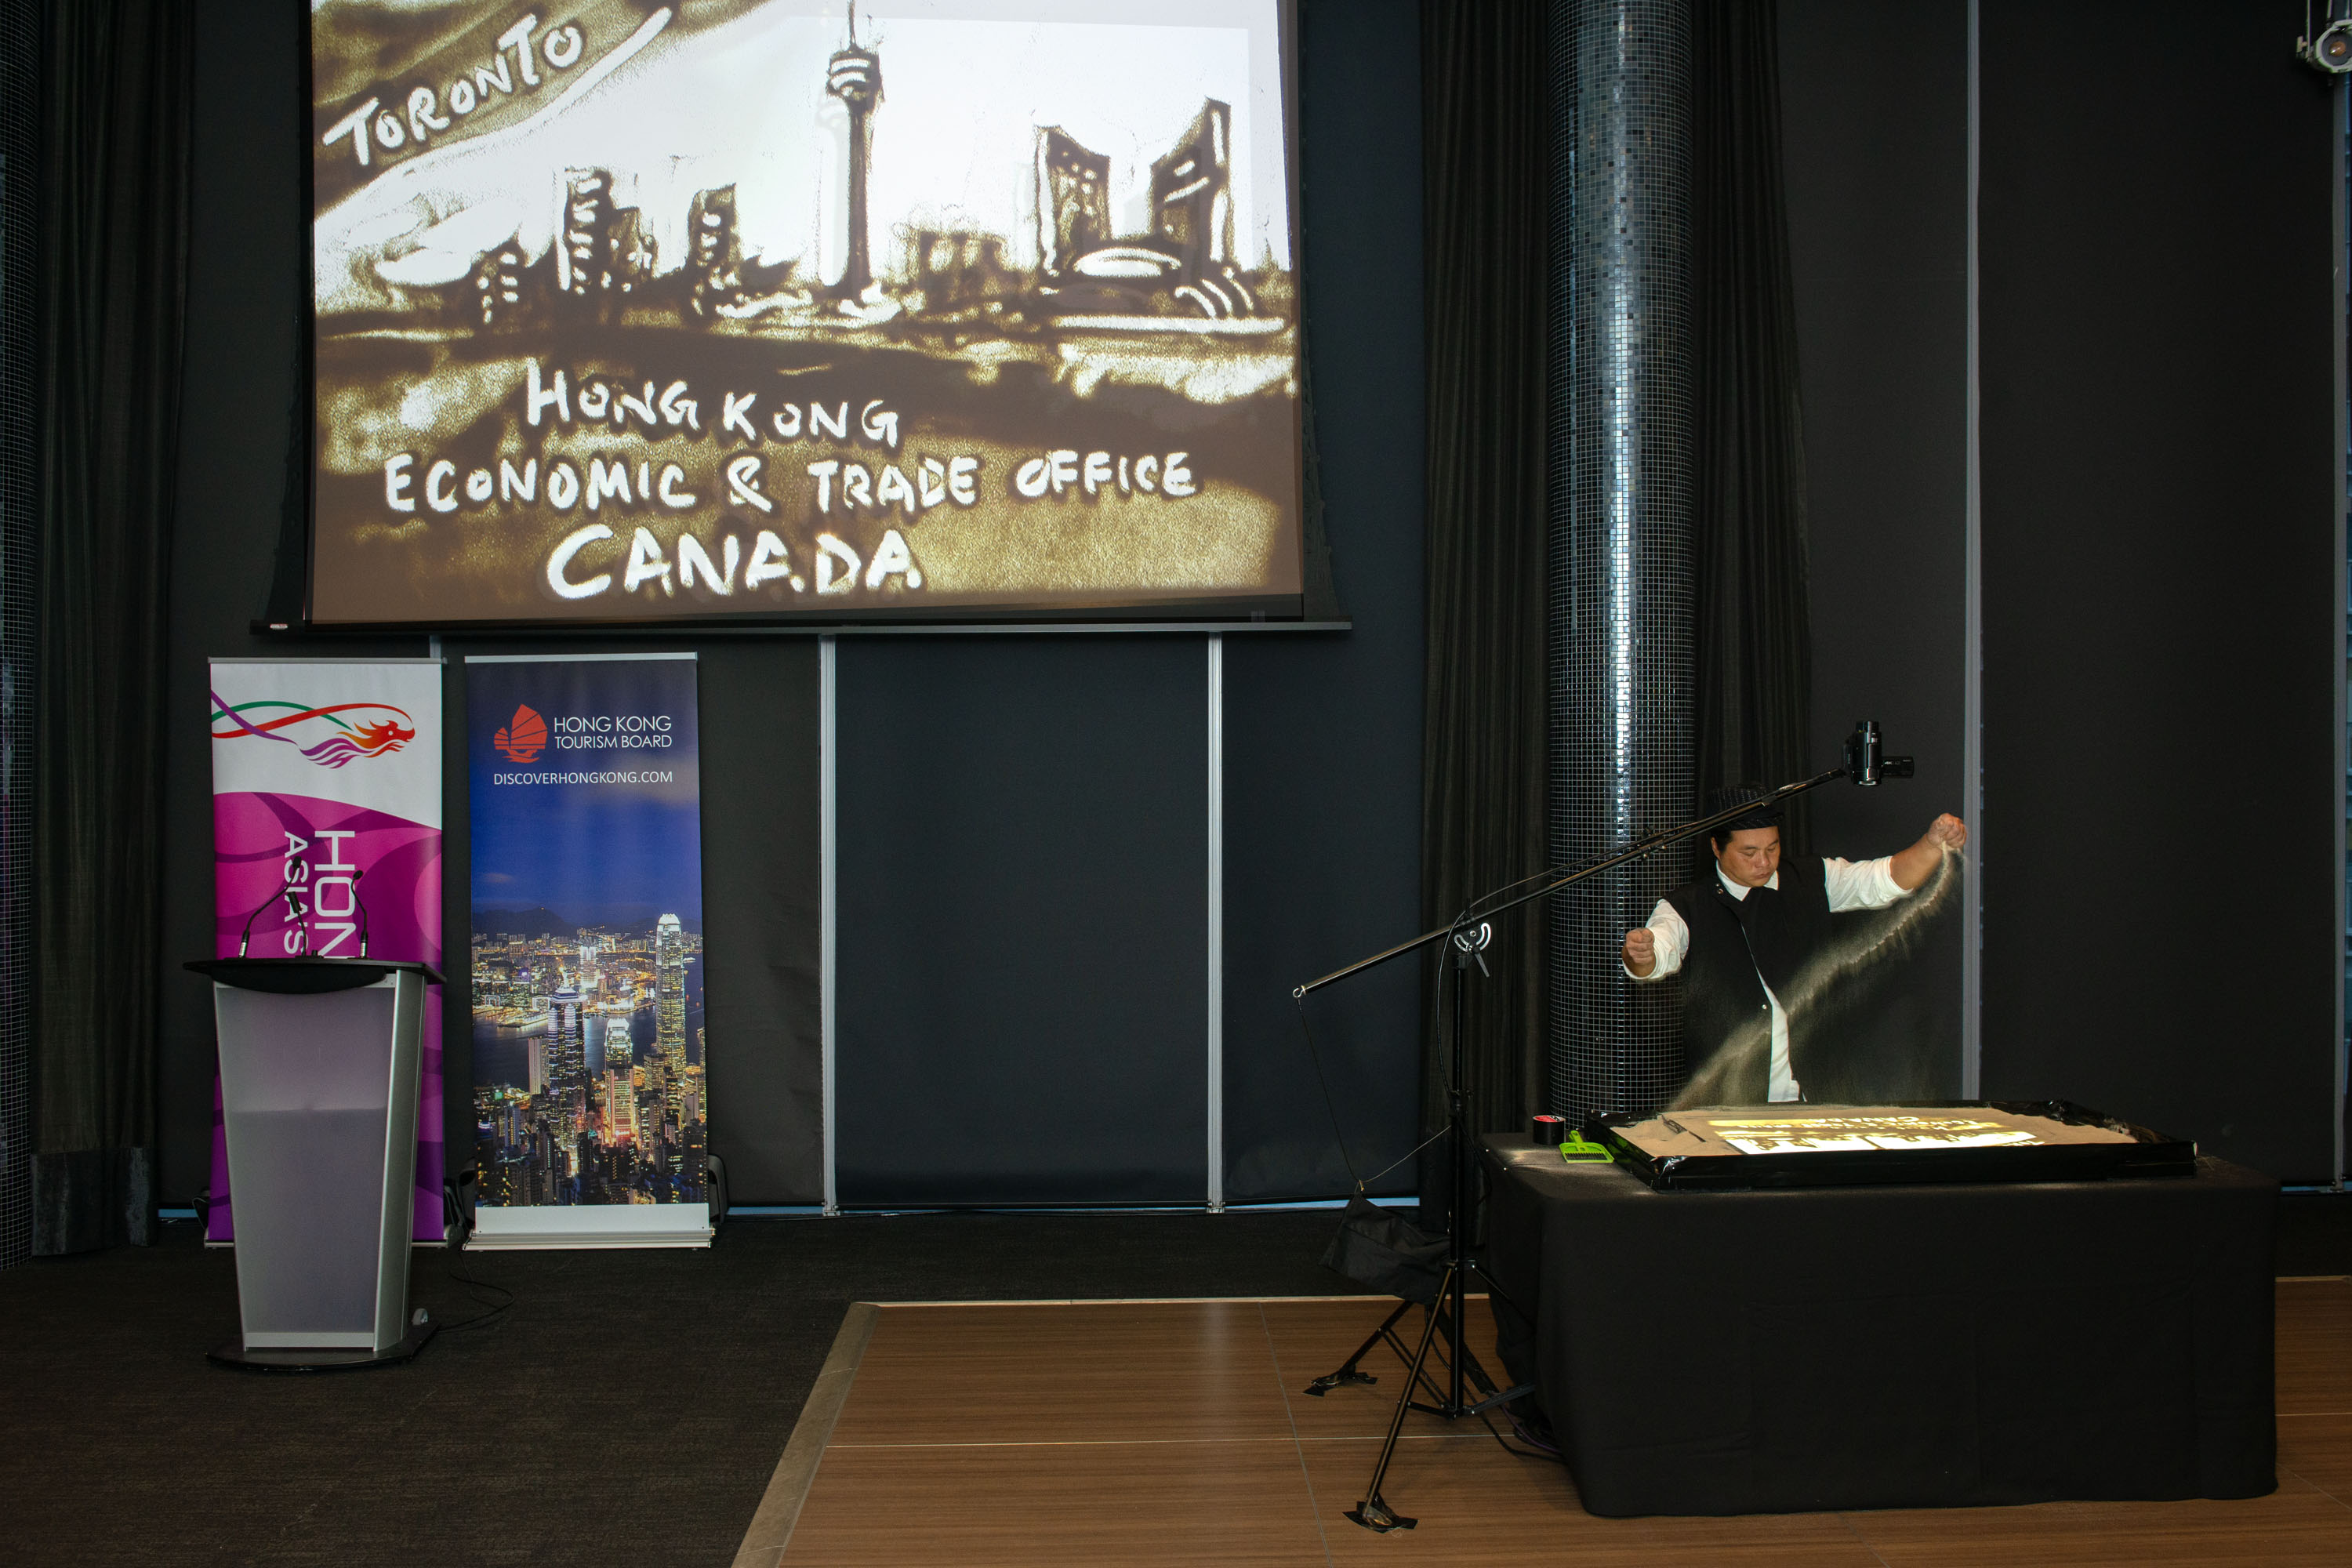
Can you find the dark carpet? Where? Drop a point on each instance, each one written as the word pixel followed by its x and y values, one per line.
pixel 628 1408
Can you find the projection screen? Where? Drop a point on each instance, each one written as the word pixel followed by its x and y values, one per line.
pixel 781 309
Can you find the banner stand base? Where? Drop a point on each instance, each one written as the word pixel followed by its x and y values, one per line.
pixel 311 1358
pixel 501 1227
pixel 577 1240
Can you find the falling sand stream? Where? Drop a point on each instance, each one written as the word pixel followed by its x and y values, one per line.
pixel 1841 958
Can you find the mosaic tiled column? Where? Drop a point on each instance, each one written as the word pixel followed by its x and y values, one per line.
pixel 1621 522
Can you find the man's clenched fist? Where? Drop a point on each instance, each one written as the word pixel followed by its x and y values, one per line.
pixel 1948 832
pixel 1641 950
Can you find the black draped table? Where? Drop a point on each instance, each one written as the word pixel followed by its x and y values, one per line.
pixel 1711 1352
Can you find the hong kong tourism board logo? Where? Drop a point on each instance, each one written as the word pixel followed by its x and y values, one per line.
pixel 530 732
pixel 331 736
pixel 523 737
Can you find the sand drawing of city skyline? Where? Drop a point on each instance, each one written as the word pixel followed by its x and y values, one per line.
pixel 949 171
pixel 1017 228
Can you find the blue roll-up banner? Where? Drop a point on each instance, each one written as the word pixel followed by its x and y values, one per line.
pixel 589 1105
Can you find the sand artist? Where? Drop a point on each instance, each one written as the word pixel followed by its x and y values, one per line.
pixel 1754 939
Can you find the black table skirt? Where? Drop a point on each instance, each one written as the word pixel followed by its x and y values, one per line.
pixel 1889 1347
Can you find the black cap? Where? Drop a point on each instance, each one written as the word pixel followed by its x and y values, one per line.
pixel 1739 795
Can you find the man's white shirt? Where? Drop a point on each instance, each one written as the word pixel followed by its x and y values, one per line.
pixel 1871 885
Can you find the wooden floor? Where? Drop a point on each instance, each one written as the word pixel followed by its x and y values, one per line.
pixel 1176 1432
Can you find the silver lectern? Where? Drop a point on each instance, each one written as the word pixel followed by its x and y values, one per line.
pixel 319 1073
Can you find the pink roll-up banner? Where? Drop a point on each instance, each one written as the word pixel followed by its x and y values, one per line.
pixel 326 828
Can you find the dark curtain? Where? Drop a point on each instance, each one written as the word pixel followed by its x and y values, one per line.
pixel 1484 179
pixel 1754 642
pixel 113 253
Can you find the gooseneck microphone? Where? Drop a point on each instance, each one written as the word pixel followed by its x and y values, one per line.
pixel 286 891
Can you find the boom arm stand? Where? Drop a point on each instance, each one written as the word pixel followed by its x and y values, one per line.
pixel 1468 937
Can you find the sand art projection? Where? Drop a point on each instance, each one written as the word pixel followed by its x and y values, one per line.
pixel 774 307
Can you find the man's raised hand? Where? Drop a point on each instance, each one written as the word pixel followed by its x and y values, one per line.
pixel 1641 951
pixel 1945 836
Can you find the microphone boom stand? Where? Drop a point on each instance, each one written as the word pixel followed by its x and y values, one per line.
pixel 1467 937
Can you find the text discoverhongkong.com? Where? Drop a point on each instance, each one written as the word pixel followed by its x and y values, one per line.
pixel 648 776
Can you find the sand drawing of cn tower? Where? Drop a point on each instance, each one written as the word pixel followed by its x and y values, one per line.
pixel 855 75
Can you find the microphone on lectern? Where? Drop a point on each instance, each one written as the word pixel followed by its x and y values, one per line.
pixel 245 937
pixel 361 905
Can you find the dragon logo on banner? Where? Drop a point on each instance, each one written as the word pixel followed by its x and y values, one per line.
pixel 346 739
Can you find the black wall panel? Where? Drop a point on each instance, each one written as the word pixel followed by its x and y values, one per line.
pixel 1323 735
pixel 761 880
pixel 1023 961
pixel 1875 115
pixel 2160 483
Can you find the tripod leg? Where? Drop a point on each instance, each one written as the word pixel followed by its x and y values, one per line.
pixel 1347 1373
pixel 1489 1398
pixel 1488 1395
pixel 1373 1512
pixel 1496 1289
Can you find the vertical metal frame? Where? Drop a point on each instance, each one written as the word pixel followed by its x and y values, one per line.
pixel 395 1222
pixel 2340 207
pixel 1972 644
pixel 828 709
pixel 1215 1153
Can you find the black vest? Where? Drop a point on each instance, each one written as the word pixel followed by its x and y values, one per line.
pixel 1770 932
